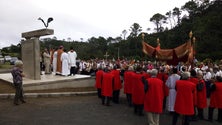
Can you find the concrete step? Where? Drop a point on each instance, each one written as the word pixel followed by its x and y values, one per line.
pixel 53 85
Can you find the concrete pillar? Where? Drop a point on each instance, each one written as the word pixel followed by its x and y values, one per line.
pixel 31 58
pixel 31 52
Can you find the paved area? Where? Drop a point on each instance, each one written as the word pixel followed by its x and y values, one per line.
pixel 49 82
pixel 75 110
pixel 44 78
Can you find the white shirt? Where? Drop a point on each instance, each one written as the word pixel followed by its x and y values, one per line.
pixel 72 58
pixel 207 76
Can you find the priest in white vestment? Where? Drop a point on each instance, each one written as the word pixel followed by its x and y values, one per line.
pixel 72 61
pixel 65 63
pixel 171 83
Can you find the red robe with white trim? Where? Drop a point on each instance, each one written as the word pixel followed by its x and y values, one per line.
pixel 154 96
pixel 184 103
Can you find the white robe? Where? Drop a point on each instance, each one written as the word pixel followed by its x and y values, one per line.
pixel 65 64
pixel 72 58
pixel 171 83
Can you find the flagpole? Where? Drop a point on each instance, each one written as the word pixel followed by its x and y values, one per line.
pixel 194 51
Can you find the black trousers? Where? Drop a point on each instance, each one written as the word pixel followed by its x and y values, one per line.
pixel 200 113
pixel 210 114
pixel 138 109
pixel 129 99
pixel 72 70
pixel 99 93
pixel 164 103
pixel 18 93
pixel 106 100
pixel 208 88
pixel 185 120
pixel 116 96
pixel 42 67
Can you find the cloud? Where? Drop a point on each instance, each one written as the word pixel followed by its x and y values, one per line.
pixel 78 18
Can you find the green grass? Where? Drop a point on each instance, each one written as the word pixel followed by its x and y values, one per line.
pixel 6 66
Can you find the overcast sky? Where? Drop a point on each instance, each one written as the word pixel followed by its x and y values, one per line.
pixel 78 18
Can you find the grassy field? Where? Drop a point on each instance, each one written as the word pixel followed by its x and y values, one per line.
pixel 6 66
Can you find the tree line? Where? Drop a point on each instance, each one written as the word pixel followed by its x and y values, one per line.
pixel 203 18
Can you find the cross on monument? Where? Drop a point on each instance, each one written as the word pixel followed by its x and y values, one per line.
pixel 106 55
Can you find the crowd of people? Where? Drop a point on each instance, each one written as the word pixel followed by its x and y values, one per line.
pixel 59 61
pixel 155 88
pixel 150 87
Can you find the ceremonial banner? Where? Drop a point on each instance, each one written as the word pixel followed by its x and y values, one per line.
pixel 183 49
pixel 182 53
pixel 164 54
pixel 147 49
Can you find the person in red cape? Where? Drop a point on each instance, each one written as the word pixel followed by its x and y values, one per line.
pixel 117 83
pixel 146 74
pixel 162 75
pixel 128 84
pixel 216 99
pixel 193 78
pixel 200 97
pixel 184 104
pixel 107 86
pixel 154 95
pixel 98 84
pixel 138 91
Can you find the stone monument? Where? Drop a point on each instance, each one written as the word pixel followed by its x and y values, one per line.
pixel 31 52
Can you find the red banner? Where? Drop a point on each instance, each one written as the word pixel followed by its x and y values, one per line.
pixel 182 53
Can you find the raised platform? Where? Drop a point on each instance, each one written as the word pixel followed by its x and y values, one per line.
pixel 53 81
